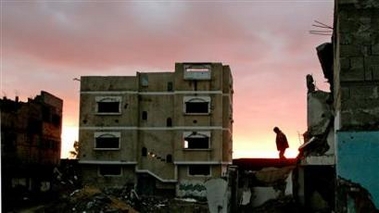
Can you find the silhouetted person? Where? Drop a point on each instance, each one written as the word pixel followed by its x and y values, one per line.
pixel 281 142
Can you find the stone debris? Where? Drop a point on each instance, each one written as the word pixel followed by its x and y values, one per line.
pixel 89 200
pixel 281 205
pixel 114 200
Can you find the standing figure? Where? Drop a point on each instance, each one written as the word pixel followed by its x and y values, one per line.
pixel 281 142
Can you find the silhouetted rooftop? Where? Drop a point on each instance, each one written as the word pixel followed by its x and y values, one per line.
pixel 255 164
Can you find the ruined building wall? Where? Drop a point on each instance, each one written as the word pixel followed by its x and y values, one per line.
pixel 30 144
pixel 357 64
pixel 32 130
pixel 356 87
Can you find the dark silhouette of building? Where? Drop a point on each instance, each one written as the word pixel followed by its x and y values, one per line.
pixel 30 145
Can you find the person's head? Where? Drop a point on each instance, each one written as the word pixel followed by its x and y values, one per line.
pixel 276 129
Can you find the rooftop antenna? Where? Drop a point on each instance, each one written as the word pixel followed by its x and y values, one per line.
pixel 324 29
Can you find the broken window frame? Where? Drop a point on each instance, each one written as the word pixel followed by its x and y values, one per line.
pixel 115 135
pixel 196 99
pixel 115 100
pixel 108 168
pixel 202 168
pixel 202 136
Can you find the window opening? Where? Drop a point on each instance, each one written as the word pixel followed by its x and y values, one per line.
pixel 110 104
pixel 108 107
pixel 199 170
pixel 169 122
pixel 56 119
pixel 196 140
pixel 169 87
pixel 107 141
pixel 144 115
pixel 46 114
pixel 169 158
pixel 197 104
pixel 144 151
pixel 196 143
pixel 110 170
pixel 197 107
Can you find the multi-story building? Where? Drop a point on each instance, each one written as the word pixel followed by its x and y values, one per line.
pixel 162 131
pixel 30 145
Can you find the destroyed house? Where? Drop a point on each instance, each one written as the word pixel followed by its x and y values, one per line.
pixel 338 160
pixel 157 131
pixel 30 144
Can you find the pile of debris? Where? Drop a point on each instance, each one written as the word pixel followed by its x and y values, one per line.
pixel 91 200
pixel 281 205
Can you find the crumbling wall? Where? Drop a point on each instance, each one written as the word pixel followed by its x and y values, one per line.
pixel 319 112
pixel 356 91
pixel 318 138
pixel 354 198
pixel 357 161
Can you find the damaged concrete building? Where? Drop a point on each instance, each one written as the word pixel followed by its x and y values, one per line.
pixel 356 103
pixel 338 162
pixel 30 145
pixel 159 132
pixel 262 182
pixel 314 184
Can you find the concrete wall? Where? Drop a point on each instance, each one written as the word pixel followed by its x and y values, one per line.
pixel 357 64
pixel 194 186
pixel 357 160
pixel 91 176
pixel 319 112
pixel 356 86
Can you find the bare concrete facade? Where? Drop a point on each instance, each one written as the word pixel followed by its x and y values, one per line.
pixel 167 131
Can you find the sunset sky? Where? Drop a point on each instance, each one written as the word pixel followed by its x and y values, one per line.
pixel 46 44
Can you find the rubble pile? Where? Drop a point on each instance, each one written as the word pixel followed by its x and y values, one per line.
pixel 156 204
pixel 89 200
pixel 110 200
pixel 281 205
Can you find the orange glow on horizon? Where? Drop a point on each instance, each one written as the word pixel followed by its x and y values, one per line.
pixel 70 134
pixel 267 149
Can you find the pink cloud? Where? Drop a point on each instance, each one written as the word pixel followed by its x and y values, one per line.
pixel 266 44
